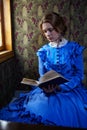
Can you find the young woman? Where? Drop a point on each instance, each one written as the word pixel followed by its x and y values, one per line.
pixel 64 105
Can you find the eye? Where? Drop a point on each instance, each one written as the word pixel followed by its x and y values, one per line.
pixel 49 29
pixel 44 31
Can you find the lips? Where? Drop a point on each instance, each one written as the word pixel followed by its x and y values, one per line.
pixel 50 38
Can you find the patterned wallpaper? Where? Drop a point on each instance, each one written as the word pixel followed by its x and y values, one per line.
pixel 27 37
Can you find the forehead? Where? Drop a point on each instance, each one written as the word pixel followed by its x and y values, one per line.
pixel 46 26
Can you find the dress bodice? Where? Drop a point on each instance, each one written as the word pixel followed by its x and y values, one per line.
pixel 62 59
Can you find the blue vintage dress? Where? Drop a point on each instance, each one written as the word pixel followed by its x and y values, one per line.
pixel 67 107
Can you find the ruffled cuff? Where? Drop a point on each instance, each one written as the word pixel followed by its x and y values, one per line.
pixel 69 85
pixel 64 88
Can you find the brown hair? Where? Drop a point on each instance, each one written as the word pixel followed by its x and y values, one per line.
pixel 56 21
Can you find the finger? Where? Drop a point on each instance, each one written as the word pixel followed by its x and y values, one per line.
pixel 49 87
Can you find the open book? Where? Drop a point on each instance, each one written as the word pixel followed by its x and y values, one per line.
pixel 50 77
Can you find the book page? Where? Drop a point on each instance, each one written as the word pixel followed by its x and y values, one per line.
pixel 30 82
pixel 49 75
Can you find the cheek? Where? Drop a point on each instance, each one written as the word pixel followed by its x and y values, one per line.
pixel 56 35
pixel 45 35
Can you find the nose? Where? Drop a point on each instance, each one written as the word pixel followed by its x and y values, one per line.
pixel 48 33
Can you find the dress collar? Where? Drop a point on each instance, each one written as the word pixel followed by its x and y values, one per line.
pixel 61 43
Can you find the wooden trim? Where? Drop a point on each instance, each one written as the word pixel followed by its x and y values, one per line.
pixel 7 24
pixel 7 51
pixel 5 55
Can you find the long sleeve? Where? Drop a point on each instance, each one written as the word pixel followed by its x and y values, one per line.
pixel 78 73
pixel 41 53
pixel 41 67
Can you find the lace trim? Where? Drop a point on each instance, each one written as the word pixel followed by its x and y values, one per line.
pixel 60 44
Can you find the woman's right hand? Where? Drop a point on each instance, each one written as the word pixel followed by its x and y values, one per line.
pixel 51 88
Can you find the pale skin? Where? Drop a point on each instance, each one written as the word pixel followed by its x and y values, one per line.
pixel 52 36
pixel 50 33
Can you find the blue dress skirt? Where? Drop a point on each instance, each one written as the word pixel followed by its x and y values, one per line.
pixel 67 107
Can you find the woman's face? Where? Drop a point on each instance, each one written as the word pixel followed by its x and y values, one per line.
pixel 50 33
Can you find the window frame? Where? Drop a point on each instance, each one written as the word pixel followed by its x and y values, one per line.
pixel 1 21
pixel 6 50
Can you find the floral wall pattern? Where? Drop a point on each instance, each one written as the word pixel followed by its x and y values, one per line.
pixel 27 37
